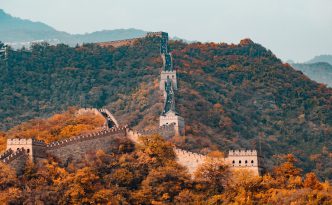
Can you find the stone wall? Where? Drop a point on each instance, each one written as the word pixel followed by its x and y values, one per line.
pixel 189 160
pixel 115 44
pixel 166 131
pixel 6 153
pixel 17 160
pixel 76 148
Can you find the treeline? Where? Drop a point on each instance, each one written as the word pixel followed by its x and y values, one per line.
pixel 149 174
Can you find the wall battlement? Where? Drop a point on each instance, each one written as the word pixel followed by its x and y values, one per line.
pixel 81 138
pixel 6 154
pixel 19 141
pixel 14 155
pixel 242 153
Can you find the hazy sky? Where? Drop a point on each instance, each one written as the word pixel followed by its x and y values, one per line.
pixel 292 29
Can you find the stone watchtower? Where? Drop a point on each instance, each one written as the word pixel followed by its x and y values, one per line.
pixel 34 148
pixel 245 159
pixel 173 118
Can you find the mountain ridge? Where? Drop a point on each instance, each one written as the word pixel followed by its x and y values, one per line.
pixel 321 58
pixel 19 32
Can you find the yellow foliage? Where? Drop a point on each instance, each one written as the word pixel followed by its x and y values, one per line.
pixel 57 127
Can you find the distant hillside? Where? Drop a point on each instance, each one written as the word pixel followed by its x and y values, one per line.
pixel 231 96
pixel 321 58
pixel 18 32
pixel 320 72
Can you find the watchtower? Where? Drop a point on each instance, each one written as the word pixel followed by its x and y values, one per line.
pixel 172 117
pixel 245 159
pixel 34 148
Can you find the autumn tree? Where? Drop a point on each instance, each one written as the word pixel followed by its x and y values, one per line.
pixel 157 148
pixel 10 191
pixel 163 184
pixel 211 177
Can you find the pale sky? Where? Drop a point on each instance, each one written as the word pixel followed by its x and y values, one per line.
pixel 292 29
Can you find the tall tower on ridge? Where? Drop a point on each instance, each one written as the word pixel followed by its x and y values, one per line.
pixel 168 84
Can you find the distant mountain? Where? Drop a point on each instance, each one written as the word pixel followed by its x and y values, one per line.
pixel 19 32
pixel 320 71
pixel 321 58
pixel 14 29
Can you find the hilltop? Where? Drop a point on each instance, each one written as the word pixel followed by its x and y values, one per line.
pixel 231 96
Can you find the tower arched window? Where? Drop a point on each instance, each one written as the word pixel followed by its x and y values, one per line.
pixel 28 151
pixel 246 162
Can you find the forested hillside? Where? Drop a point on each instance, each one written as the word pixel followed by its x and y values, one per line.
pixel 231 96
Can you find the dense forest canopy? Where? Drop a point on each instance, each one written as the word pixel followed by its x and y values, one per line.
pixel 147 173
pixel 231 96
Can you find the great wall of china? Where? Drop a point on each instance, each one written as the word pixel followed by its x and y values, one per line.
pixel 171 124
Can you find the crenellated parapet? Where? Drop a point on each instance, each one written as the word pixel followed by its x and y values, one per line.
pixel 242 153
pixel 245 159
pixel 6 154
pixel 81 138
pixel 23 142
pixel 14 155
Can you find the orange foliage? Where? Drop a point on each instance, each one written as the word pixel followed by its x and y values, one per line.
pixel 58 126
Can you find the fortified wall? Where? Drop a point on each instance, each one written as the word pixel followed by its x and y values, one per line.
pixel 71 149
